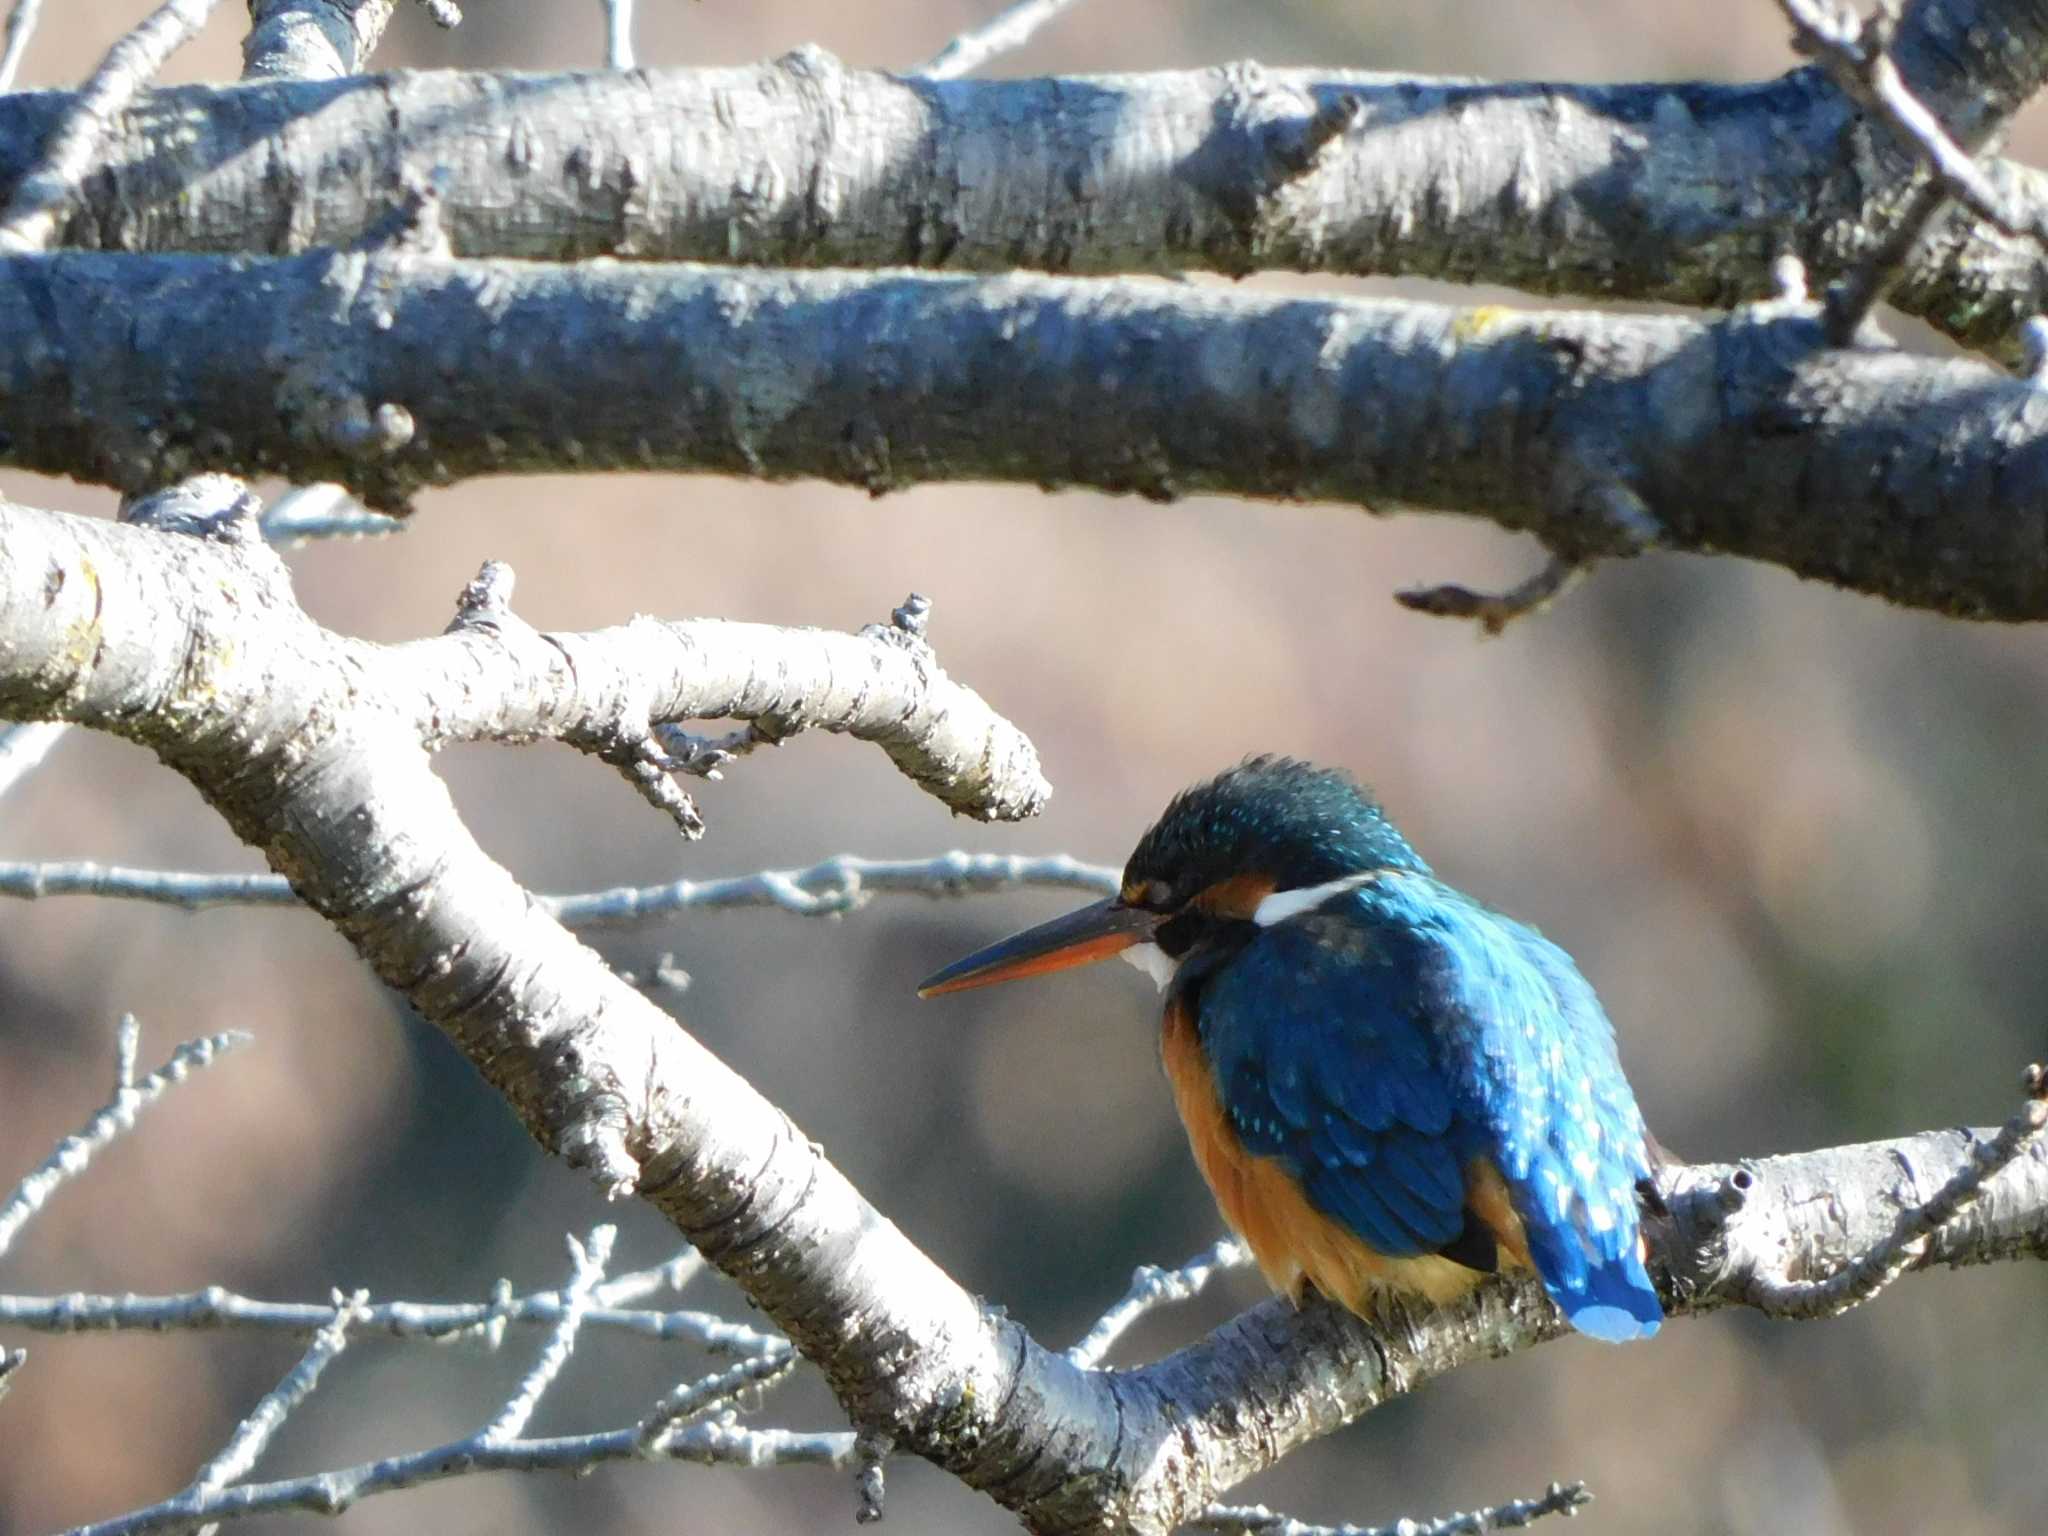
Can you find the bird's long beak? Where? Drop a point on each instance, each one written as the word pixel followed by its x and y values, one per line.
pixel 1093 933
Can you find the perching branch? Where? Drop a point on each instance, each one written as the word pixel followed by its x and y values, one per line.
pixel 716 1443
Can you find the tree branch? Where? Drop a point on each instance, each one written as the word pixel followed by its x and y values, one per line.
pixel 1680 193
pixel 35 208
pixel 217 1308
pixel 1012 28
pixel 294 736
pixel 1747 436
pixel 829 888
pixel 114 1119
pixel 312 39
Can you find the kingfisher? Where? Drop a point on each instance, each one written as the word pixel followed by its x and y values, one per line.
pixel 1391 1090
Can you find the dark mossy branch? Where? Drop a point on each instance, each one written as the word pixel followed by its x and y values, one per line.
pixel 1921 480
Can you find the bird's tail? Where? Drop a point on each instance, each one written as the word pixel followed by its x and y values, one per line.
pixel 1602 1288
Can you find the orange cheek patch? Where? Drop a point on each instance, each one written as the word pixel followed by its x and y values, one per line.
pixel 1237 897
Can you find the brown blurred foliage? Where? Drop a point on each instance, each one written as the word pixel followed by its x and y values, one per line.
pixel 1790 835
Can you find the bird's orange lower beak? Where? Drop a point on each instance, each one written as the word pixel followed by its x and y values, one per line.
pixel 1093 933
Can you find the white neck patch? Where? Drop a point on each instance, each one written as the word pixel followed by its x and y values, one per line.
pixel 1282 905
pixel 1153 961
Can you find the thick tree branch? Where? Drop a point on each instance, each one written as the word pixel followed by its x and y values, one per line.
pixel 1684 193
pixel 1747 436
pixel 307 744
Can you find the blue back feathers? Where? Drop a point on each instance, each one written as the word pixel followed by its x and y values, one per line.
pixel 1379 1044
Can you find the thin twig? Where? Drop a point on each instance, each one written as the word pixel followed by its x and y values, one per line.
pixel 11 1360
pixel 844 883
pixel 1856 53
pixel 589 1259
pixel 1495 610
pixel 1153 1287
pixel 1876 1268
pixel 21 26
pixel 705 757
pixel 31 216
pixel 618 34
pixel 127 1051
pixel 113 1120
pixel 324 511
pixel 254 1434
pixel 441 1322
pixel 871 1477
pixel 1010 30
pixel 23 748
pixel 1256 1520
pixel 694 1399
pixel 329 1493
pixel 438 1322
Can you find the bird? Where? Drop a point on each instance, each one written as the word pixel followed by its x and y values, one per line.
pixel 1391 1090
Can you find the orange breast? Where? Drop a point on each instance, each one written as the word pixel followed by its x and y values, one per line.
pixel 1292 1241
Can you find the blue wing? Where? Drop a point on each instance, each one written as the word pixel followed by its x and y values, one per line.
pixel 1377 1045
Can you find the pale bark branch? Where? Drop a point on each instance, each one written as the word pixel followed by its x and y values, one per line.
pixel 253 1435
pixel 306 744
pixel 1153 1287
pixel 217 1308
pixel 589 1260
pixel 831 887
pixel 496 678
pixel 1747 435
pixel 1510 1515
pixel 618 34
pixel 22 17
pixel 1683 193
pixel 1010 29
pixel 330 1493
pixel 35 207
pixel 312 39
pixel 114 1119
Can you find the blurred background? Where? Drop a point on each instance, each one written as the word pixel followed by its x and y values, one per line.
pixel 1788 833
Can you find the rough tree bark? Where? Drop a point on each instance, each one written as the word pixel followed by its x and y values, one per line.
pixel 1601 434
